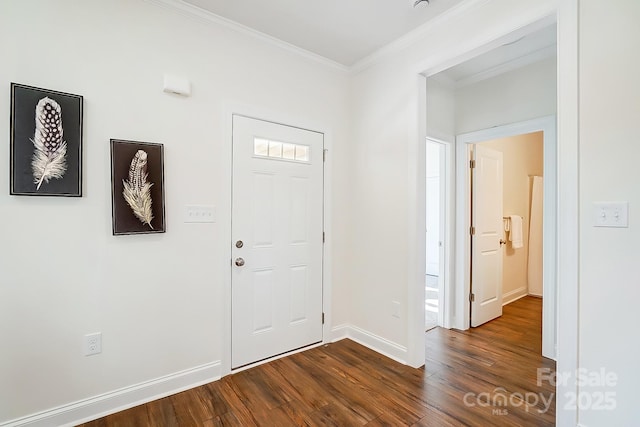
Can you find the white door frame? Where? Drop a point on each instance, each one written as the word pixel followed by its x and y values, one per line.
pixel 567 15
pixel 446 212
pixel 231 109
pixel 463 239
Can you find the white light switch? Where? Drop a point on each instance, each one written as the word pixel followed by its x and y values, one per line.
pixel 199 213
pixel 611 214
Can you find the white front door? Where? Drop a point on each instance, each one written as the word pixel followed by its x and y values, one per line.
pixel 486 249
pixel 277 238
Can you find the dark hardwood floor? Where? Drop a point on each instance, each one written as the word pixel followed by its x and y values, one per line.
pixel 486 376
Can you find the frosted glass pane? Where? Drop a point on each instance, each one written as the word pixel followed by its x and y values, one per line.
pixel 280 150
pixel 275 149
pixel 302 153
pixel 260 147
pixel 288 151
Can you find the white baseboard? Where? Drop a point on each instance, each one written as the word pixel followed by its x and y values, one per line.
pixel 339 332
pixel 118 400
pixel 514 295
pixel 138 394
pixel 372 341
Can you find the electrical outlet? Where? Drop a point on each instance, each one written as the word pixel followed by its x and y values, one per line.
pixel 93 344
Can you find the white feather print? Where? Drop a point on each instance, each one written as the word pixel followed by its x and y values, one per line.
pixel 50 154
pixel 137 190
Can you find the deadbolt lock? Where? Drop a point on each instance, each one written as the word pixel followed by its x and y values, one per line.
pixel 239 244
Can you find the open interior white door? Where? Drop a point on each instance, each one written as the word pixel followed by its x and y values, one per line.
pixel 277 232
pixel 486 247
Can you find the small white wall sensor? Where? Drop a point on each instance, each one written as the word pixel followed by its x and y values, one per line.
pixel 177 85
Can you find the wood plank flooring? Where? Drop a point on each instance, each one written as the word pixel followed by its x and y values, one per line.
pixel 486 376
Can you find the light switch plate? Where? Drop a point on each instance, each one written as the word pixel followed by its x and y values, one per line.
pixel 199 214
pixel 611 214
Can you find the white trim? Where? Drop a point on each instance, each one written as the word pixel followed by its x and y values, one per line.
pixel 252 111
pixel 438 61
pixel 192 11
pixel 417 238
pixel 514 295
pixel 550 217
pixel 531 58
pixel 121 399
pixel 444 276
pixel 374 342
pixel 339 332
pixel 494 37
pixel 568 208
pixel 415 35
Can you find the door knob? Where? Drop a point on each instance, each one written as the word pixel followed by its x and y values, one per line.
pixel 503 242
pixel 239 262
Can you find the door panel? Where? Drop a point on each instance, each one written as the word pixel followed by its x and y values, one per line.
pixel 277 214
pixel 486 250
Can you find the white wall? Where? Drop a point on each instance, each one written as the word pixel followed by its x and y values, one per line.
pixel 386 200
pixel 80 279
pixel 157 299
pixel 522 94
pixel 609 150
pixel 441 111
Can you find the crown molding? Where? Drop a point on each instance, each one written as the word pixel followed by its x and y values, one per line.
pixel 192 11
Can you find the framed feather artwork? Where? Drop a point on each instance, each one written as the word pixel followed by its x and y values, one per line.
pixel 137 187
pixel 46 142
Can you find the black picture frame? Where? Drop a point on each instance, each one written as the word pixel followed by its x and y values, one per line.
pixel 130 168
pixel 45 154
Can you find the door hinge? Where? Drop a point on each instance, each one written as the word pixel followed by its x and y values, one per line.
pixel 324 155
pixel 472 230
pixel 472 164
pixel 472 297
pixel 323 318
pixel 323 237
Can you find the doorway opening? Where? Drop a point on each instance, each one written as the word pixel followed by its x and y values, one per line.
pixel 515 208
pixel 566 178
pixel 436 277
pixel 547 126
pixel 459 105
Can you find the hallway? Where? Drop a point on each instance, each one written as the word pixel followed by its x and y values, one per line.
pixel 496 362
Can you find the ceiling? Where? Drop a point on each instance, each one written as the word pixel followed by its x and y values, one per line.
pixel 344 31
pixel 348 31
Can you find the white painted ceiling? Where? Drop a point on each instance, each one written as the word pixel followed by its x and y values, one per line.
pixel 344 31
pixel 348 31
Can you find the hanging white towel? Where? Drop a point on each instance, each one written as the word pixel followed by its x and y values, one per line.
pixel 515 234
